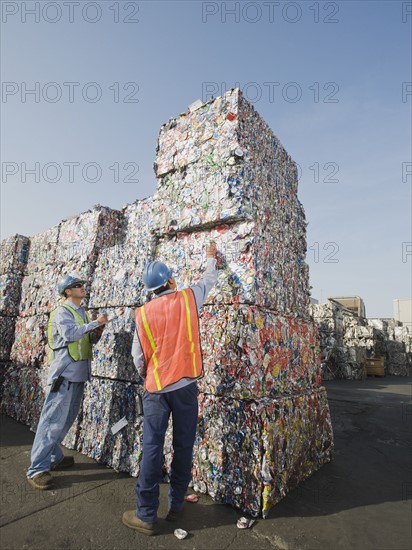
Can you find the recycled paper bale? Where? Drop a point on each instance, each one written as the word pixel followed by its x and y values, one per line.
pixel 106 402
pixel 13 254
pixel 251 453
pixel 249 352
pixel 10 290
pixel 112 354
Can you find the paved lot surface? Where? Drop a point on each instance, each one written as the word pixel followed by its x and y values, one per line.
pixel 361 500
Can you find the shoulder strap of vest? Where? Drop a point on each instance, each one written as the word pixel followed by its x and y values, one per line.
pixel 77 315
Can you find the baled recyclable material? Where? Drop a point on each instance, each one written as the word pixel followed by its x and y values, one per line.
pixel 30 342
pixel 43 249
pixel 347 341
pixel 112 354
pixel 39 290
pixel 223 162
pixel 10 290
pixel 117 279
pixel 249 270
pixel 251 453
pixel 264 422
pixel 138 238
pixel 105 402
pixel 71 247
pixel 7 328
pixel 13 254
pixel 23 394
pixel 82 237
pixel 250 352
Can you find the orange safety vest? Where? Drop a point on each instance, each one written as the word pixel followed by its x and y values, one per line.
pixel 168 330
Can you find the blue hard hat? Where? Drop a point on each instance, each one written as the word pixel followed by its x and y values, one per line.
pixel 66 282
pixel 155 275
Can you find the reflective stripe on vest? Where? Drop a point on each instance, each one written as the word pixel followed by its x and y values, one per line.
pixel 168 329
pixel 78 350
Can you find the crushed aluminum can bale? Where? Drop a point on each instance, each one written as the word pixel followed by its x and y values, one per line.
pixel 180 534
pixel 191 498
pixel 244 523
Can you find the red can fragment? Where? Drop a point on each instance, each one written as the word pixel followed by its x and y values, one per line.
pixel 231 116
pixel 191 498
pixel 244 523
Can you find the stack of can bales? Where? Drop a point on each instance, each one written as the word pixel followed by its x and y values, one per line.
pixel 347 341
pixel 116 386
pixel 22 390
pixel 397 345
pixel 71 247
pixel 264 419
pixel 13 258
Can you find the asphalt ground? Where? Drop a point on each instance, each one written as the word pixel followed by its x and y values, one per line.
pixel 360 500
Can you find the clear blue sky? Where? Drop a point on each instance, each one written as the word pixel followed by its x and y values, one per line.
pixel 330 78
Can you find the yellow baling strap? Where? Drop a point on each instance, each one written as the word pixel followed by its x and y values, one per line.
pixel 189 331
pixel 153 346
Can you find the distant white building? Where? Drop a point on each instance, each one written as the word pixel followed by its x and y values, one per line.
pixel 402 311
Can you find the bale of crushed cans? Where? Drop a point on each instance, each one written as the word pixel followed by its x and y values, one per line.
pixel 7 328
pixel 111 355
pixel 250 352
pixel 251 453
pixel 23 392
pixel 117 278
pixel 13 260
pixel 105 403
pixel 13 255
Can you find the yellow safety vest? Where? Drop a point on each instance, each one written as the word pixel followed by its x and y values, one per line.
pixel 78 350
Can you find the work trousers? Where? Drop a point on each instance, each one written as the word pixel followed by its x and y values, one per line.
pixel 58 414
pixel 157 407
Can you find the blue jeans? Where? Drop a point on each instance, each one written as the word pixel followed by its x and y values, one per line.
pixel 58 414
pixel 183 405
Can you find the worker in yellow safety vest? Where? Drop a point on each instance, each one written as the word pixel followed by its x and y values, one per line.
pixel 166 351
pixel 71 333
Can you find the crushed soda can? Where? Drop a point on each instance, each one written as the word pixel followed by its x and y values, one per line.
pixel 191 498
pixel 180 534
pixel 244 523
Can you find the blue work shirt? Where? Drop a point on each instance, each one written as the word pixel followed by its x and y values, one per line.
pixel 200 291
pixel 65 329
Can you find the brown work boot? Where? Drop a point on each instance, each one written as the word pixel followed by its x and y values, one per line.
pixel 131 520
pixel 67 462
pixel 41 481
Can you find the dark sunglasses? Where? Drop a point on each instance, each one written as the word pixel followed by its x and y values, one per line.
pixel 77 285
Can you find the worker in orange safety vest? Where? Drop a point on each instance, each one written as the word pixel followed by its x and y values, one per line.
pixel 166 351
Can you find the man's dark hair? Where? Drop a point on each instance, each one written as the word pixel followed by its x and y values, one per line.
pixel 161 289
